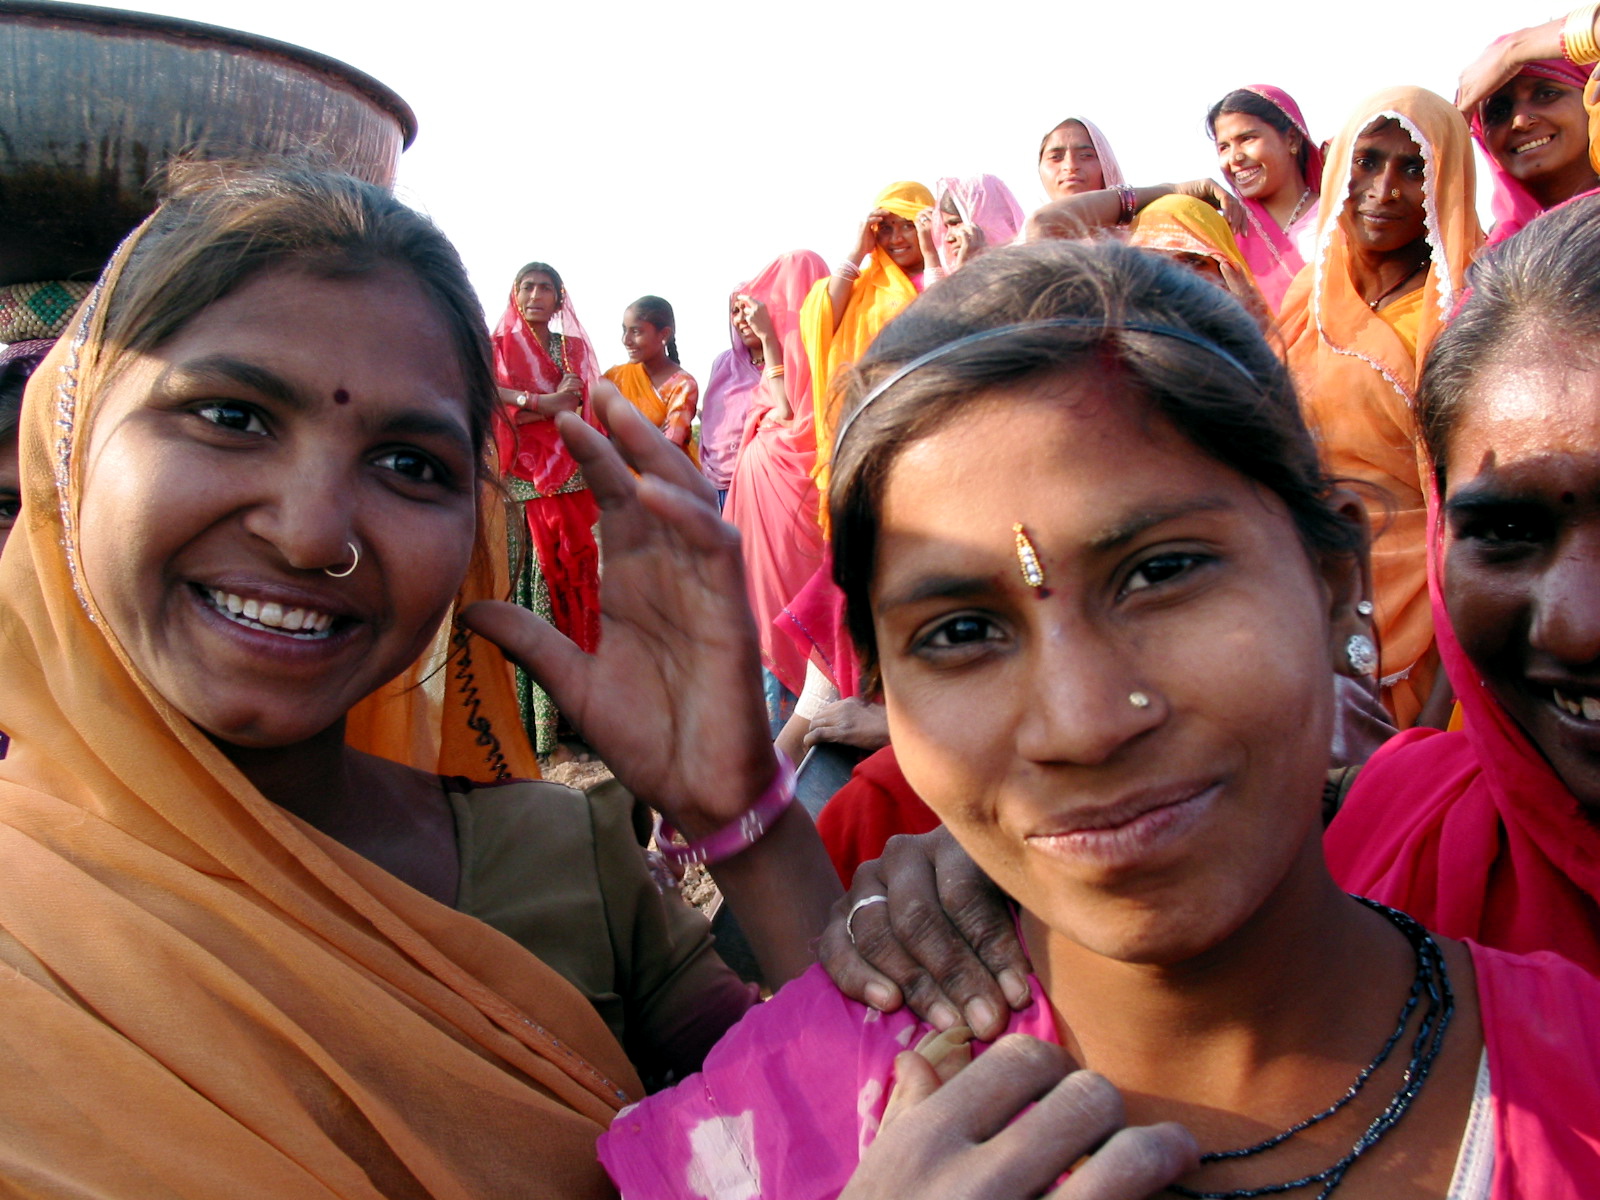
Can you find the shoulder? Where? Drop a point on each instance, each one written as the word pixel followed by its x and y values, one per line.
pixel 782 1108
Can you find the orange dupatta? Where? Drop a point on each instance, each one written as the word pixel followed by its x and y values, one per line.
pixel 1358 378
pixel 878 296
pixel 206 997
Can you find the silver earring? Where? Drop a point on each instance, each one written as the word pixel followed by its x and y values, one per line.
pixel 1138 700
pixel 1364 608
pixel 355 561
pixel 1362 654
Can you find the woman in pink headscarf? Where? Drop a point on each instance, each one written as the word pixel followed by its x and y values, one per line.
pixel 1524 96
pixel 969 216
pixel 1535 133
pixel 772 498
pixel 1075 157
pixel 1269 159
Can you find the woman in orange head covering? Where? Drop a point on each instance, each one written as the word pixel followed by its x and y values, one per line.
pixel 1196 234
pixel 237 945
pixel 844 313
pixel 1397 232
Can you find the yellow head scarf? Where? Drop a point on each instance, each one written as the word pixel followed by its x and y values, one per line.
pixel 876 298
pixel 199 987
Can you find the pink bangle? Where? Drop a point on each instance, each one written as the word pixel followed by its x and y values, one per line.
pixel 739 836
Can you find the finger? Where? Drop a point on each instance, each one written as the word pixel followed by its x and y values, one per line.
pixel 985 1098
pixel 560 668
pixel 1079 1112
pixel 693 517
pixel 915 1079
pixel 983 919
pixel 852 974
pixel 642 444
pixel 1135 1162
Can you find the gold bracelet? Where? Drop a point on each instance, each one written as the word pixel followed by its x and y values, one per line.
pixel 1577 36
pixel 773 372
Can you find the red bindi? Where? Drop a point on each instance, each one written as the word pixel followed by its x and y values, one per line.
pixel 341 397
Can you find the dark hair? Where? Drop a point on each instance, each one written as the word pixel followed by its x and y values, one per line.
pixel 1252 104
pixel 1243 413
pixel 224 223
pixel 659 313
pixel 1045 140
pixel 543 268
pixel 1542 283
pixel 17 363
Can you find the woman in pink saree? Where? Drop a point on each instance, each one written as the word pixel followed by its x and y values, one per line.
pixel 772 499
pixel 1271 163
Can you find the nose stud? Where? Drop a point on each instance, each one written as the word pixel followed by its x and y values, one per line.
pixel 1395 195
pixel 355 561
pixel 1138 699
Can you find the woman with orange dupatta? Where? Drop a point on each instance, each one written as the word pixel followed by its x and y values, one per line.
pixel 1194 233
pixel 1398 231
pixel 652 379
pixel 239 948
pixel 844 313
pixel 543 371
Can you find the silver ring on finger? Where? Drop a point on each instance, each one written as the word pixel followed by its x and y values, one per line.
pixel 857 907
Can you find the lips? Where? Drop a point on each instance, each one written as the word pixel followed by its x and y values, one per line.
pixel 1129 832
pixel 1536 144
pixel 1244 177
pixel 275 613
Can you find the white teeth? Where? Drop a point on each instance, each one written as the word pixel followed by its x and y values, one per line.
pixel 300 622
pixel 1533 145
pixel 1587 707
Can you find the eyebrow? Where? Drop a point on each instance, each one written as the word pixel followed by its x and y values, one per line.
pixel 224 368
pixel 940 587
pixel 412 423
pixel 1123 533
pixel 1482 499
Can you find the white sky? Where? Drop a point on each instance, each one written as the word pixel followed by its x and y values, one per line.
pixel 677 148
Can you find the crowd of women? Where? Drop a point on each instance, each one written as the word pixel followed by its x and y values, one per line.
pixel 1212 569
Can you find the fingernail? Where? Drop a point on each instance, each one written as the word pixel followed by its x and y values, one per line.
pixel 943 1016
pixel 1016 988
pixel 880 997
pixel 981 1017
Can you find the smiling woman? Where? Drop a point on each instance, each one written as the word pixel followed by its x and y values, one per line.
pixel 1088 550
pixel 257 911
pixel 1397 233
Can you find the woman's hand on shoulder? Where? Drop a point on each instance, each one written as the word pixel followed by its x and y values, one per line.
pixel 671 700
pixel 942 940
pixel 850 722
pixel 965 1138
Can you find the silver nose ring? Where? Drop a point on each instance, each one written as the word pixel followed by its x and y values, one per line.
pixel 355 561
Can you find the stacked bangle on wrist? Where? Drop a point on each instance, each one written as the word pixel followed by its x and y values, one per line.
pixel 847 270
pixel 738 836
pixel 773 371
pixel 1127 201
pixel 1578 44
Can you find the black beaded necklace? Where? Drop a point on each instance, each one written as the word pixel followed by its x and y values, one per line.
pixel 1433 980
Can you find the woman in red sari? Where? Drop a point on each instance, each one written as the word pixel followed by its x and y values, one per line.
pixel 544 365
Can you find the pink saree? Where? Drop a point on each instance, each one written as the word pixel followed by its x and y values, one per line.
pixel 1276 255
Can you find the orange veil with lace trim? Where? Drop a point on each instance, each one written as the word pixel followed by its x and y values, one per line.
pixel 205 996
pixel 1358 377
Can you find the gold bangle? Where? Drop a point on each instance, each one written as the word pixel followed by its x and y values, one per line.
pixel 773 372
pixel 1577 36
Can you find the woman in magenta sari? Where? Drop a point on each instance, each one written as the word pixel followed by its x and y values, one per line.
pixel 1272 164
pixel 544 365
pixel 772 499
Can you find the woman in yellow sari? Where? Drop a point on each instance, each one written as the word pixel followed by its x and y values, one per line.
pixel 1197 236
pixel 1397 232
pixel 844 312
pixel 652 379
pixel 241 708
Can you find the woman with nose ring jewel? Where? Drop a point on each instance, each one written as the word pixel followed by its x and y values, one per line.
pixel 1396 234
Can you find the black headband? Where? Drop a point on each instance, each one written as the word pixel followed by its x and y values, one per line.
pixel 988 335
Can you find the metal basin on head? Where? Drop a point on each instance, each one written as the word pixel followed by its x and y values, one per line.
pixel 94 102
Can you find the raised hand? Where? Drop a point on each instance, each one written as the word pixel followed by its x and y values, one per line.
pixel 671 700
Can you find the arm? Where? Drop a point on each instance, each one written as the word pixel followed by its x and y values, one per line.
pixel 840 285
pixel 1079 216
pixel 672 698
pixel 773 377
pixel 1502 59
